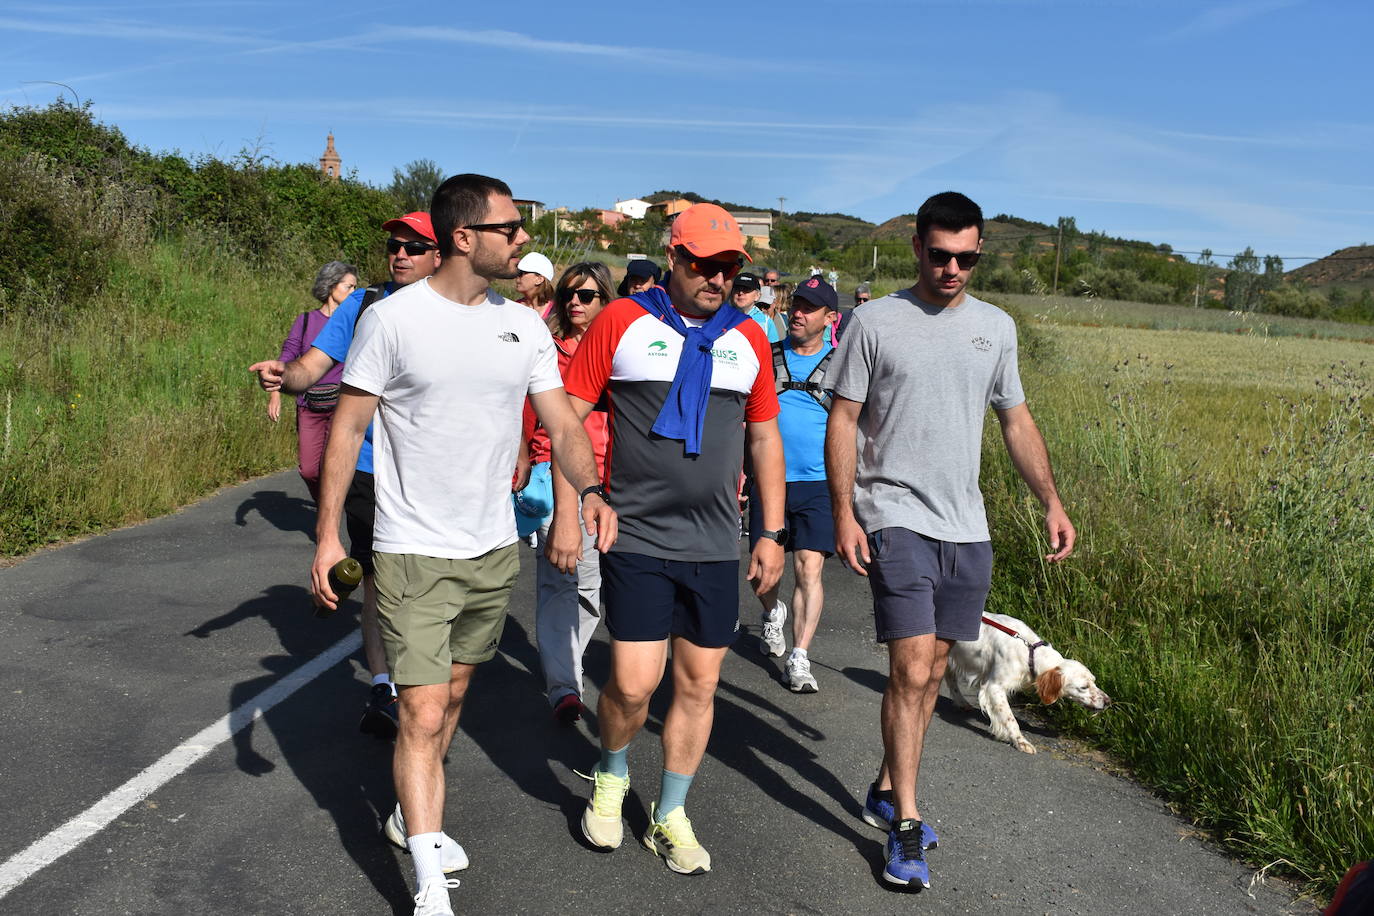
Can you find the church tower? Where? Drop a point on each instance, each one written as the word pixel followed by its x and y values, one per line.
pixel 330 161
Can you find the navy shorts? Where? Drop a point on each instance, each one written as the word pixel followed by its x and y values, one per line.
pixel 360 514
pixel 808 520
pixel 921 585
pixel 648 599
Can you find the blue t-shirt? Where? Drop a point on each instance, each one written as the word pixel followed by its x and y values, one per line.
pixel 769 327
pixel 802 420
pixel 335 340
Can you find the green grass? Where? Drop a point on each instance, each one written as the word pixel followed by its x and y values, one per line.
pixel 142 403
pixel 1223 488
pixel 1092 312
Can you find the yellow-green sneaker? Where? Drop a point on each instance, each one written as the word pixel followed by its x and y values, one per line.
pixel 676 843
pixel 601 823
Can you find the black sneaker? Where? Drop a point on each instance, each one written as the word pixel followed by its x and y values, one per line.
pixel 379 716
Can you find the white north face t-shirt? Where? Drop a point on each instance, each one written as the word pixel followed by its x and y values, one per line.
pixel 452 379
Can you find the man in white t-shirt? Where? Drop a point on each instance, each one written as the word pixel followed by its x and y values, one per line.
pixel 446 364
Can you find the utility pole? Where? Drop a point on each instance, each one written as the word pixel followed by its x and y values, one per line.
pixel 875 258
pixel 1059 244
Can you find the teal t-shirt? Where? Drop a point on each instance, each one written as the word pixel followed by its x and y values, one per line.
pixel 802 420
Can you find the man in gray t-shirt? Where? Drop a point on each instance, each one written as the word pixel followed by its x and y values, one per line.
pixel 914 376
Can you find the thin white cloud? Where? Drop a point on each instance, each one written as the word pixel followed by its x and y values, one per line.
pixel 130 31
pixel 381 35
pixel 1220 18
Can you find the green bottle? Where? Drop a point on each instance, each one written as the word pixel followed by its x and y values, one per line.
pixel 344 576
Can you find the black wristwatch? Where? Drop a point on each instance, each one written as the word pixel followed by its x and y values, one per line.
pixel 599 490
pixel 780 536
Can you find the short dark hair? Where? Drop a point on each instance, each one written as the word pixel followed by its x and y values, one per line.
pixel 462 200
pixel 948 210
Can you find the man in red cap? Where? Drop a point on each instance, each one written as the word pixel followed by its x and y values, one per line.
pixel 690 385
pixel 412 254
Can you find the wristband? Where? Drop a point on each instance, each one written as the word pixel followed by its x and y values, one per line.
pixel 598 489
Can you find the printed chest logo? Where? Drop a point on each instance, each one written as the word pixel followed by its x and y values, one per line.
pixel 982 343
pixel 658 348
pixel 508 337
pixel 724 356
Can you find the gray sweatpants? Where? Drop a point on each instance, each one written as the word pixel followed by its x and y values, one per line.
pixel 566 613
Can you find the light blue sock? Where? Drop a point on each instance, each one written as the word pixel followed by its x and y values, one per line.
pixel 672 793
pixel 615 762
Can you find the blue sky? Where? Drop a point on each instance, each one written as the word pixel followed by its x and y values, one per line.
pixel 1214 125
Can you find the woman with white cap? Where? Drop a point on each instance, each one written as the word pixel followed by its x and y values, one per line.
pixel 534 283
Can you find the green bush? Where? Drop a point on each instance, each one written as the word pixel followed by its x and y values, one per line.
pixel 56 247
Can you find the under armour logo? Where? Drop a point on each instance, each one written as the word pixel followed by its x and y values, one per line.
pixel 508 337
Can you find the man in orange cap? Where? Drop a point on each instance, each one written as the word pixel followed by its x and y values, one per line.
pixel 692 388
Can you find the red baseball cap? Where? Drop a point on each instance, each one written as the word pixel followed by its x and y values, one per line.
pixel 417 221
pixel 707 229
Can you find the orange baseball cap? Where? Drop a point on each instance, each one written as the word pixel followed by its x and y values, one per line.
pixel 707 229
pixel 418 221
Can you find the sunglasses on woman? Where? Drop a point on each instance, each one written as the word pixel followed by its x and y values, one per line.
pixel 585 296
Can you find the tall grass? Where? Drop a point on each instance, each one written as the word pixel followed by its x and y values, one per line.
pixel 141 402
pixel 1220 589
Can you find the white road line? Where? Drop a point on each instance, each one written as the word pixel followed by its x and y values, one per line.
pixel 23 865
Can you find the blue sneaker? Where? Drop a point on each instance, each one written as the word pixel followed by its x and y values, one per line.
pixel 880 812
pixel 906 862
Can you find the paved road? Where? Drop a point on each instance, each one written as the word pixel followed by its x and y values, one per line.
pixel 122 648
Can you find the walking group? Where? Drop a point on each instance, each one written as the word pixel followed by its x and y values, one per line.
pixel 648 421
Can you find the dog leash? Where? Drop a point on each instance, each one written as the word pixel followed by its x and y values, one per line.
pixel 1015 635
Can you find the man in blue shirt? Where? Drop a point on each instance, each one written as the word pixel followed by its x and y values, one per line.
pixel 800 364
pixel 412 254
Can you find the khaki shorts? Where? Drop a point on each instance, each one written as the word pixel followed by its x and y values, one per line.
pixel 436 612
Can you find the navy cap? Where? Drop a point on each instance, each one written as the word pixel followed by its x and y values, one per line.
pixel 817 292
pixel 643 267
pixel 746 283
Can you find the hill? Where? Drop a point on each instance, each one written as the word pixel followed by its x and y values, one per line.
pixel 1352 266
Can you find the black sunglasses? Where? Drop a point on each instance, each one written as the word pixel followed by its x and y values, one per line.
pixel 413 248
pixel 939 257
pixel 585 296
pixel 507 229
pixel 708 267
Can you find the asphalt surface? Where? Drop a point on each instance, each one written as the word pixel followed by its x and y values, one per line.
pixel 119 648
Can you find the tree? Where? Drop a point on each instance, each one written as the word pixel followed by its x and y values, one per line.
pixel 1243 281
pixel 414 186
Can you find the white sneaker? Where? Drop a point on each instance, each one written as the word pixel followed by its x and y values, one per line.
pixel 433 897
pixel 797 675
pixel 771 642
pixel 601 823
pixel 452 857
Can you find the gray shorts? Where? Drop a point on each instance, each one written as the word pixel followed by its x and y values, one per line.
pixel 921 585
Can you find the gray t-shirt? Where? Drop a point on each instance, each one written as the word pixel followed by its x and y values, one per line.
pixel 926 376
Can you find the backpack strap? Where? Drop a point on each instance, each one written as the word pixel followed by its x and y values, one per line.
pixel 370 295
pixel 814 384
pixel 782 377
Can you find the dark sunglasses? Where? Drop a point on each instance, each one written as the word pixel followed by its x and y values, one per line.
pixel 507 229
pixel 414 249
pixel 585 296
pixel 708 267
pixel 939 257
pixel 865 298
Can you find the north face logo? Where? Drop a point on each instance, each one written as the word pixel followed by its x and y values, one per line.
pixel 508 337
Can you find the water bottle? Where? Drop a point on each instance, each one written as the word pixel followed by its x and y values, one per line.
pixel 344 576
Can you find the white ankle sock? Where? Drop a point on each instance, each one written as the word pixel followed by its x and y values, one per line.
pixel 798 652
pixel 424 852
